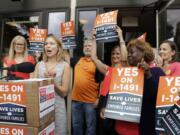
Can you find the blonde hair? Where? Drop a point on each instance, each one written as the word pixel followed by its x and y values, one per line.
pixel 12 51
pixel 59 55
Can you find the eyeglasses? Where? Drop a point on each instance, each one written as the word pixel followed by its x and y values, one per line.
pixel 50 43
pixel 19 44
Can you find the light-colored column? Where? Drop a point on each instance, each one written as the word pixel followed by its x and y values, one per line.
pixel 157 29
pixel 72 17
pixel 73 9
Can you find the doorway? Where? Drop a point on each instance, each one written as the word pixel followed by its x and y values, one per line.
pixel 133 22
pixel 17 25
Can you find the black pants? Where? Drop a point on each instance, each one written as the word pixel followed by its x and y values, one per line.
pixel 106 127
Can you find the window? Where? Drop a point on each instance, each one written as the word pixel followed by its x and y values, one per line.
pixel 173 27
pixel 84 25
pixel 173 23
pixel 18 25
pixel 54 21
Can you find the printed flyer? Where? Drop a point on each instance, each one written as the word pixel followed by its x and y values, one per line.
pixel 12 103
pixel 125 95
pixel 46 99
pixel 105 25
pixel 166 98
pixel 68 35
pixel 50 130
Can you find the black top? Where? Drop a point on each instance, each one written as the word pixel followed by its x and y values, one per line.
pixel 147 120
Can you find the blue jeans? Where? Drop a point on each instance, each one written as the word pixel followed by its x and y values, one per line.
pixel 83 113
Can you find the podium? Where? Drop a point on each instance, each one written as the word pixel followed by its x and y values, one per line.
pixel 27 107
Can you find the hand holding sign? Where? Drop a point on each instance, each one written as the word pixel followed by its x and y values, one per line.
pixel 102 111
pixel 120 33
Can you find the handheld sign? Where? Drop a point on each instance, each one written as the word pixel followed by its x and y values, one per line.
pixel 166 98
pixel 125 95
pixel 36 40
pixel 105 25
pixel 171 121
pixel 68 35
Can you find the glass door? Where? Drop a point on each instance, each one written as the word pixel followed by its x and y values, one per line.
pixel 17 25
pixel 85 18
pixel 54 22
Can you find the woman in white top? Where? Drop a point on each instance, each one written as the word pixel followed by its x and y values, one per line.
pixel 53 66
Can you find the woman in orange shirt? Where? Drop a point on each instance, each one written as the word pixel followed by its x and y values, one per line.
pixel 118 59
pixel 18 53
pixel 118 54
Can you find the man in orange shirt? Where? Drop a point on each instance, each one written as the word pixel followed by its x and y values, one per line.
pixel 85 93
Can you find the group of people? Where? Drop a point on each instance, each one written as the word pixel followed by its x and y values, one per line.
pixel 88 97
pixel 51 66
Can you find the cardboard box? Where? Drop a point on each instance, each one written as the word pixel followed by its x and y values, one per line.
pixel 27 102
pixel 23 130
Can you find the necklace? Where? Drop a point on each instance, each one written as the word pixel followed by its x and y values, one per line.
pixel 50 66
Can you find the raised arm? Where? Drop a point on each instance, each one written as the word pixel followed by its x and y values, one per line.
pixel 100 66
pixel 122 44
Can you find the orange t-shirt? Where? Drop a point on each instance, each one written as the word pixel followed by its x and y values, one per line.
pixel 85 88
pixel 19 74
